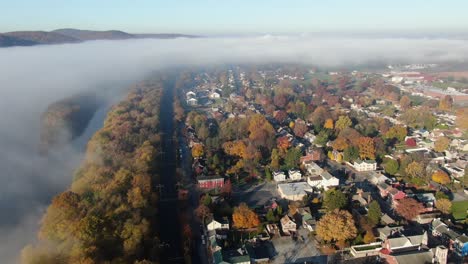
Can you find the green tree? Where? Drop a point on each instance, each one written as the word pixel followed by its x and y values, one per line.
pixel 292 158
pixel 275 159
pixel 335 199
pixel 268 175
pixel 391 166
pixel 206 200
pixel 351 153
pixel 374 212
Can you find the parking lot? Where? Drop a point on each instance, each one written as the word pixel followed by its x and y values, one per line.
pixel 299 251
pixel 255 195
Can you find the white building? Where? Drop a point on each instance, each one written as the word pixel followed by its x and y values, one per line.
pixel 192 101
pixel 215 225
pixel 364 165
pixel 214 95
pixel 190 94
pixel 279 176
pixel 325 180
pixel 294 175
pixel 312 168
pixel 309 136
pixel 288 225
pixel 295 191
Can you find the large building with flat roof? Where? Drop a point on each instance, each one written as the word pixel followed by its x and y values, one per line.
pixel 294 191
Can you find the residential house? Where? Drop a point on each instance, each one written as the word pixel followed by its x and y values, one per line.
pixel 428 199
pixel 279 176
pixel 210 182
pixel 363 165
pixel 310 137
pixel 398 244
pixel 306 218
pixel 376 178
pixel 288 225
pixel 395 195
pixel 294 175
pixel 190 94
pixel 387 231
pixel 214 95
pixel 453 240
pixel 364 198
pixel 192 101
pixel 325 180
pixel 215 225
pixel 461 246
pixel 273 229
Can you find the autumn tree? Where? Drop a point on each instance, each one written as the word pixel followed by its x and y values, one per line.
pixel 366 148
pixel 398 132
pixel 337 225
pixel 328 124
pixel 261 132
pixel 409 208
pixel 369 237
pixel 335 199
pixel 444 205
pixel 446 103
pixel 283 144
pixel 441 144
pixel 415 170
pixel 374 212
pixel 343 122
pixel 300 128
pixel 462 119
pixel 280 100
pixel 197 151
pixel 391 166
pixel 441 177
pixel 405 102
pixel 244 217
pixel 340 143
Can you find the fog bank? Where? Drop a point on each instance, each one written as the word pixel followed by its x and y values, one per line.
pixel 33 77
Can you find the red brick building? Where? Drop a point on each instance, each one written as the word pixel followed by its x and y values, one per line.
pixel 210 182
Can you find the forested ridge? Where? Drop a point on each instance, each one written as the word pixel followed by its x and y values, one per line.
pixel 108 214
pixel 66 119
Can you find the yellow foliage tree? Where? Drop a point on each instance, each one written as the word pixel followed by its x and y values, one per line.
pixel 415 169
pixel 441 144
pixel 337 225
pixel 369 237
pixel 366 148
pixel 441 177
pixel 197 150
pixel 444 205
pixel 244 217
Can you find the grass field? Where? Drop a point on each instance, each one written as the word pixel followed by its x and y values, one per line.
pixel 459 210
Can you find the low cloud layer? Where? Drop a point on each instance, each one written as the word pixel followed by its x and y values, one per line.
pixel 33 77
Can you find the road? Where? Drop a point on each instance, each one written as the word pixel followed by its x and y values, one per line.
pixel 169 226
pixel 201 256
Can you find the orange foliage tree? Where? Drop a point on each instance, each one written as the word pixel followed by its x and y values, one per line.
pixel 328 123
pixel 244 217
pixel 366 148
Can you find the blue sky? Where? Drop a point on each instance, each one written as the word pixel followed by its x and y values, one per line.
pixel 235 16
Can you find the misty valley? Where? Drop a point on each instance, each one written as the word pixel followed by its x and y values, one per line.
pixel 270 149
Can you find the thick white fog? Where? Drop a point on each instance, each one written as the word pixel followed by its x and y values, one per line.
pixel 33 77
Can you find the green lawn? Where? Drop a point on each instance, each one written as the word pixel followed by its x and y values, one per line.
pixel 459 210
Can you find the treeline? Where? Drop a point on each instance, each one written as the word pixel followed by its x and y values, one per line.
pixel 108 214
pixel 66 119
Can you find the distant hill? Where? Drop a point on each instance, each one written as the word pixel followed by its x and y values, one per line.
pixel 69 35
pixel 84 35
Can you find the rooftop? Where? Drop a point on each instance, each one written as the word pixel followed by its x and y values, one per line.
pixel 294 188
